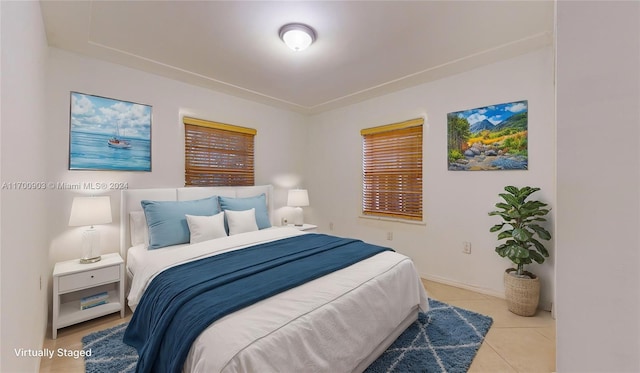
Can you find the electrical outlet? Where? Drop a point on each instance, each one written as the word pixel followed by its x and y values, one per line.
pixel 390 236
pixel 331 226
pixel 466 247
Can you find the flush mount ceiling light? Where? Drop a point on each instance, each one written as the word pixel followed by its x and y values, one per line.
pixel 297 36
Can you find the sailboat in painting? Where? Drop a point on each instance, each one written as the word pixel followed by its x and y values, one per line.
pixel 117 142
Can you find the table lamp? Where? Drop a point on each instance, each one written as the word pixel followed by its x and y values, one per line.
pixel 90 211
pixel 298 198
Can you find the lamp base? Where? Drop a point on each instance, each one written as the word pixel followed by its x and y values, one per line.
pixel 90 260
pixel 90 246
pixel 298 217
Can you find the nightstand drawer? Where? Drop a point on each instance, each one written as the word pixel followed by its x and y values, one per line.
pixel 88 278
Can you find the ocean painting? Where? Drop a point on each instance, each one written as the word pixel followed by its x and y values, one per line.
pixel 109 134
pixel 489 138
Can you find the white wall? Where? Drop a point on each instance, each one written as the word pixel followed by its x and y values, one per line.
pixel 456 203
pixel 23 218
pixel 598 100
pixel 280 137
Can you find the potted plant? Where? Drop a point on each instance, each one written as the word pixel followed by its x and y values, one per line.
pixel 522 233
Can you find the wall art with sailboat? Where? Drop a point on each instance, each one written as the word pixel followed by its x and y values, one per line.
pixel 109 134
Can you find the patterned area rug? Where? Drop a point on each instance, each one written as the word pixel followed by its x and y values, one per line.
pixel 108 352
pixel 445 339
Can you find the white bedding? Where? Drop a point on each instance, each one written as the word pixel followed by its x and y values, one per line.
pixel 329 324
pixel 148 263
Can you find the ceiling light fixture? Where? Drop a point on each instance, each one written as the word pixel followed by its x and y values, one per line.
pixel 297 36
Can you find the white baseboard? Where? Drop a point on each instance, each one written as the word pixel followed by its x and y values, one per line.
pixel 477 289
pixel 493 293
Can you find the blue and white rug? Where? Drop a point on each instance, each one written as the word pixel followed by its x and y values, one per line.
pixel 109 354
pixel 445 339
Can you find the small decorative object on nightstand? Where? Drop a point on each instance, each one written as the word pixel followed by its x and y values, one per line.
pixel 79 290
pixel 305 227
pixel 90 211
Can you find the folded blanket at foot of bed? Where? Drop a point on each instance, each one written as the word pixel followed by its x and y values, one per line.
pixel 184 300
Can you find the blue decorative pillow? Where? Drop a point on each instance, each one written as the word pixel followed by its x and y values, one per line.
pixel 241 204
pixel 167 221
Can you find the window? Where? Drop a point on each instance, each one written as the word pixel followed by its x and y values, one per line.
pixel 218 154
pixel 392 170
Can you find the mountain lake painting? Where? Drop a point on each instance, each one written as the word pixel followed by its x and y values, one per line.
pixel 488 138
pixel 108 134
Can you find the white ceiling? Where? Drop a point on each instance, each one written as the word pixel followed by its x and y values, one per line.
pixel 364 48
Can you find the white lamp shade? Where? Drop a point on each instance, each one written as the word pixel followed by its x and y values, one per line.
pixel 298 198
pixel 90 211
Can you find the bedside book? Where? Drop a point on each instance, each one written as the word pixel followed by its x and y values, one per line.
pixel 103 295
pixel 94 298
pixel 94 304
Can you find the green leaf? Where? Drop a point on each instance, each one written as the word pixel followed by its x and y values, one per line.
pixel 502 249
pixel 516 251
pixel 540 247
pixel 503 215
pixel 505 234
pixel 521 261
pixel 511 200
pixel 511 189
pixel 521 234
pixel 501 205
pixel 542 233
pixel 526 192
pixel 514 214
pixel 496 227
pixel 535 256
pixel 534 205
pixel 530 219
pixel 542 212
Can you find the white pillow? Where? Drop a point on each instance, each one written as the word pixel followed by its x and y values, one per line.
pixel 203 228
pixel 241 221
pixel 139 232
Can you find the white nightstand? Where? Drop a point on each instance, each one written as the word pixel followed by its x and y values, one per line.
pixel 304 227
pixel 73 281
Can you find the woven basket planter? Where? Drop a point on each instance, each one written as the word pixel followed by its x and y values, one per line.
pixel 522 293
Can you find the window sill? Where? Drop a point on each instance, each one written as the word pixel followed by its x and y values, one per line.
pixel 395 220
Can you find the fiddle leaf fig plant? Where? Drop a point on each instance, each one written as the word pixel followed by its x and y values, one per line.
pixel 520 228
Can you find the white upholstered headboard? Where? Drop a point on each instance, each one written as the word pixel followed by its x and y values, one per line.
pixel 130 201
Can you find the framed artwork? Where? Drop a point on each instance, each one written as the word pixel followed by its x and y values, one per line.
pixel 109 134
pixel 489 138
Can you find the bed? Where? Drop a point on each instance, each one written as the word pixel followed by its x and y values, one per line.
pixel 337 322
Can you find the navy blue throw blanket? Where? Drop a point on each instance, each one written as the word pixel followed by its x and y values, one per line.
pixel 184 300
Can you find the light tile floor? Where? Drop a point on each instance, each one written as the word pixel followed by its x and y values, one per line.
pixel 513 344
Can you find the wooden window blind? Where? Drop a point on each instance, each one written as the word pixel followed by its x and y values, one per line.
pixel 392 170
pixel 218 154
